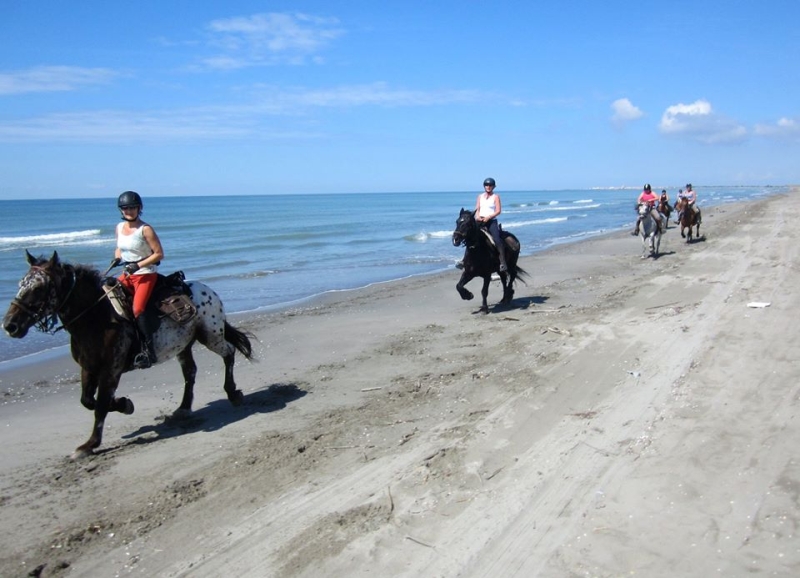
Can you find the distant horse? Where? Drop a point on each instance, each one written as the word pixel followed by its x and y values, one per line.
pixel 649 232
pixel 482 259
pixel 665 209
pixel 104 345
pixel 688 219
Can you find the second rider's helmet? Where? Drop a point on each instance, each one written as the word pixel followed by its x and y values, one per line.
pixel 489 182
pixel 129 199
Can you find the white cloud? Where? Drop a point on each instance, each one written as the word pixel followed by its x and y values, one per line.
pixel 270 38
pixel 53 79
pixel 625 111
pixel 699 122
pixel 785 128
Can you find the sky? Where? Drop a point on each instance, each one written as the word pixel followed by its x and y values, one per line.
pixel 239 97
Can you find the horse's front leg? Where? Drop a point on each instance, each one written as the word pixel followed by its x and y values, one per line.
pixel 88 389
pixel 485 294
pixel 104 403
pixel 465 293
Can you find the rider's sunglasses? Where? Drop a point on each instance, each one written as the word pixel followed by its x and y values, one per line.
pixel 128 207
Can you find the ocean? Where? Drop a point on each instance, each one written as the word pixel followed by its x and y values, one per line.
pixel 262 252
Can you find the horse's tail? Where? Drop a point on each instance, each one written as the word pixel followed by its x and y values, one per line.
pixel 239 339
pixel 522 274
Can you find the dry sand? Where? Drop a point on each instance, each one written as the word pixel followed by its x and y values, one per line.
pixel 624 417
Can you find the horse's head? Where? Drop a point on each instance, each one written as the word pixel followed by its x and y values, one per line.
pixel 37 298
pixel 465 225
pixel 643 209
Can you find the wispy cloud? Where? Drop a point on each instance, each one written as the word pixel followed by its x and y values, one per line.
pixel 784 128
pixel 698 121
pixel 270 38
pixel 258 119
pixel 625 111
pixel 53 79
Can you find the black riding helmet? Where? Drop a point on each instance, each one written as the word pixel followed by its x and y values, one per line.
pixel 130 199
pixel 489 182
pixel 647 187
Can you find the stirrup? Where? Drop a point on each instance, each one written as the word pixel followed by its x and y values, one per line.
pixel 142 361
pixel 459 265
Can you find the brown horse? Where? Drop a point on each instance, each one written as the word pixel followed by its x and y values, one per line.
pixel 104 344
pixel 688 219
pixel 665 209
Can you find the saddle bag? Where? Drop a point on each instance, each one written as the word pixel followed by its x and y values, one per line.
pixel 173 298
pixel 119 298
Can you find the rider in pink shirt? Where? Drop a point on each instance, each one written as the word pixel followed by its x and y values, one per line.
pixel 649 197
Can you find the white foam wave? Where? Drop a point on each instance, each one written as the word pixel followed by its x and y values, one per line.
pixel 422 236
pixel 89 236
pixel 513 224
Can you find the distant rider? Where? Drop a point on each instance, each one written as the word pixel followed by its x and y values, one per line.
pixel 690 199
pixel 139 249
pixel 649 198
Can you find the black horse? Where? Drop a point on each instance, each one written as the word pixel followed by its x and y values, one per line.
pixel 104 344
pixel 482 259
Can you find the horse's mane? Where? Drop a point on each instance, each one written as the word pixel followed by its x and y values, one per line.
pixel 86 272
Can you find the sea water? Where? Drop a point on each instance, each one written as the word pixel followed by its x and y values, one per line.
pixel 271 251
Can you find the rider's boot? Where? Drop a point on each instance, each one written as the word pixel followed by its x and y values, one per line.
pixel 636 230
pixel 147 356
pixel 502 253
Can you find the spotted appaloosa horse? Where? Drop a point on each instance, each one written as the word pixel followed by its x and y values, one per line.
pixel 104 345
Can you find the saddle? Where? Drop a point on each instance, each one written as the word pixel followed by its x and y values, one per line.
pixel 509 239
pixel 171 298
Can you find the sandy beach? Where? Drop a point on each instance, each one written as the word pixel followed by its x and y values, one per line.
pixel 623 417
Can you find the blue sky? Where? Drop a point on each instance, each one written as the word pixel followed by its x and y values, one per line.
pixel 236 97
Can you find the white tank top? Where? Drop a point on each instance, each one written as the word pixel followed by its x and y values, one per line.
pixel 134 247
pixel 487 205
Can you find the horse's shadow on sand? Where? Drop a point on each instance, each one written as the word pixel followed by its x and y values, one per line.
pixel 218 414
pixel 516 304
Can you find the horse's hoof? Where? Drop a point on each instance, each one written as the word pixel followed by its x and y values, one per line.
pixel 467 297
pixel 128 409
pixel 181 413
pixel 237 398
pixel 80 453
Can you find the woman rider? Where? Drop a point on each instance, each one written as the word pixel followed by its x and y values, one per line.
pixel 487 209
pixel 139 248
pixel 648 196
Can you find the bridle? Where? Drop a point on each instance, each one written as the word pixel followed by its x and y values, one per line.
pixel 45 318
pixel 464 237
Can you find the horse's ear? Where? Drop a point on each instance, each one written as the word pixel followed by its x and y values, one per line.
pixel 30 258
pixel 54 258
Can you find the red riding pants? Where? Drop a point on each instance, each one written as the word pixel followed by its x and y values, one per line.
pixel 141 286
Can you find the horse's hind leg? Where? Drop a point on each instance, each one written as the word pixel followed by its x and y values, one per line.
pixel 235 396
pixel 189 370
